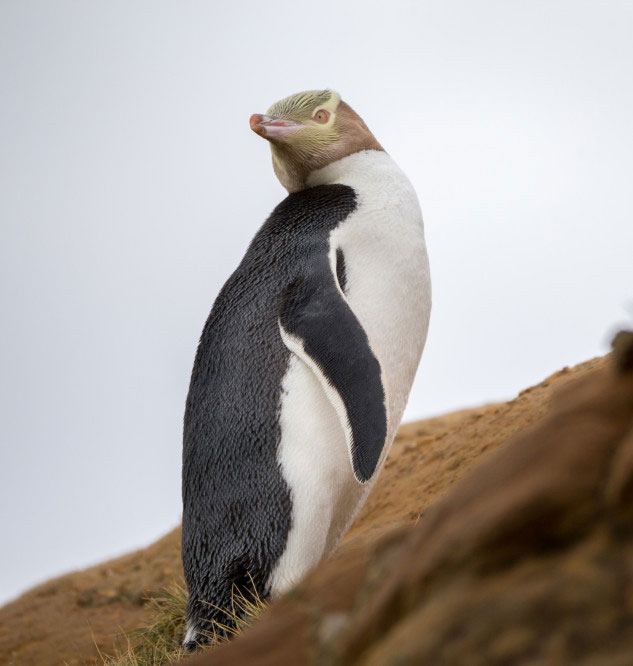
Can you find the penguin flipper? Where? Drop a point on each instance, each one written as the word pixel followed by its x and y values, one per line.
pixel 318 325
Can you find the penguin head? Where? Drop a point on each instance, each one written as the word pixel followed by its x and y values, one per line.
pixel 308 131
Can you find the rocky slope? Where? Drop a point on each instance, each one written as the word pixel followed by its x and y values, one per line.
pixel 427 569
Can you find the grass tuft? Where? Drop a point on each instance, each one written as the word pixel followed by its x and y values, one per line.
pixel 159 643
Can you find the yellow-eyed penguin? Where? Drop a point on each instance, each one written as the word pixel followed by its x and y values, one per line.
pixel 305 363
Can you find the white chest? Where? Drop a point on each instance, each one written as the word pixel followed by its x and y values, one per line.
pixel 388 288
pixel 387 270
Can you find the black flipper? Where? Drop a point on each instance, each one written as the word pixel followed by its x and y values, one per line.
pixel 318 325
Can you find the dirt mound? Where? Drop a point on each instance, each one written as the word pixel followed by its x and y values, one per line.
pixel 72 618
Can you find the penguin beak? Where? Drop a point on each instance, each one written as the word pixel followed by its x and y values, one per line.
pixel 270 127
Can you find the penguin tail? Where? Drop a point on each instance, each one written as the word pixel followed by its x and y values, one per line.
pixel 206 626
pixel 209 623
pixel 195 638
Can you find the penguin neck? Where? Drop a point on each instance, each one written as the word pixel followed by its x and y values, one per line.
pixel 366 172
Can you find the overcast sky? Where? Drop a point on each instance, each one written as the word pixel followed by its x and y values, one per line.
pixel 131 185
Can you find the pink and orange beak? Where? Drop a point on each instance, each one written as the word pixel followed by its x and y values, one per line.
pixel 270 127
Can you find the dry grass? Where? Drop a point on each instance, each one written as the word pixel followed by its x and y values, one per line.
pixel 160 642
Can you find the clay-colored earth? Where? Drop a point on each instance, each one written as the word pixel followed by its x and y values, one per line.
pixel 366 603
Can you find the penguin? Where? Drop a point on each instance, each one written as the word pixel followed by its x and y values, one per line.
pixel 304 365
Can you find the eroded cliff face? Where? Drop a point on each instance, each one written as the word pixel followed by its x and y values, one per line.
pixel 494 535
pixel 528 559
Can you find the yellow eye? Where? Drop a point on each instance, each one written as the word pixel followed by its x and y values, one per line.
pixel 321 116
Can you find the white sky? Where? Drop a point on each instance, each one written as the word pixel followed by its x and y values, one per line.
pixel 131 185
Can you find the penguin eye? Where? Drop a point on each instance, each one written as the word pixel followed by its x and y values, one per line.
pixel 321 116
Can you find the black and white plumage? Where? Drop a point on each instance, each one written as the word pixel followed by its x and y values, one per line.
pixel 301 375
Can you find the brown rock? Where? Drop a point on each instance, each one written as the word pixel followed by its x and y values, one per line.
pixel 528 560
